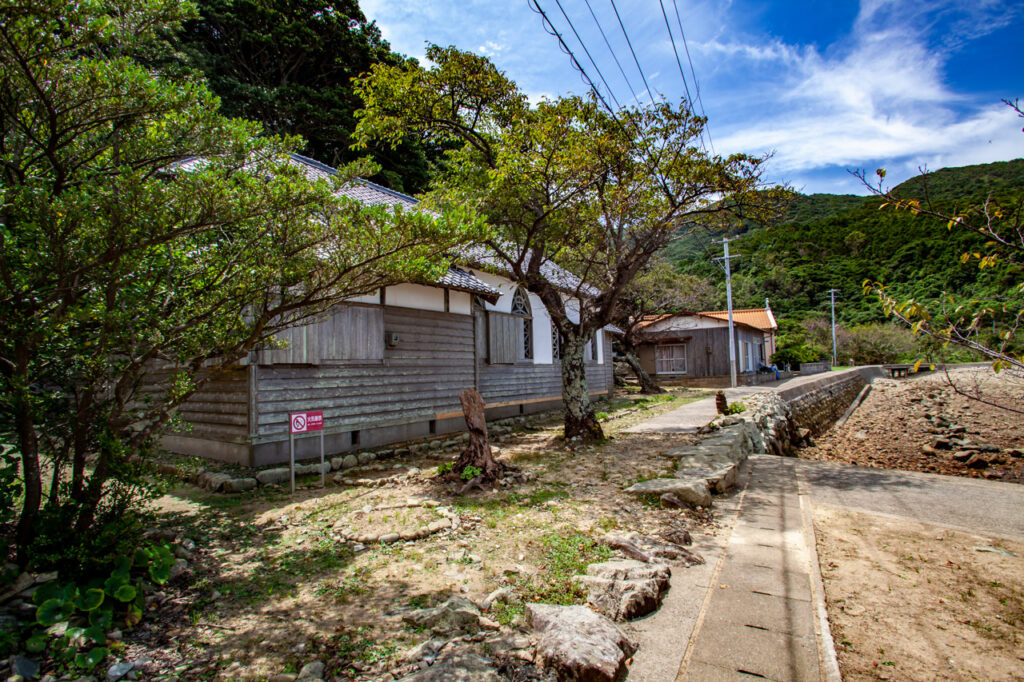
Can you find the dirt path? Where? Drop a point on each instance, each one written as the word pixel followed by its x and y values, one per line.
pixel 910 601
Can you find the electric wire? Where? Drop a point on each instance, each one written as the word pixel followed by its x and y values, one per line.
pixel 550 29
pixel 612 51
pixel 675 51
pixel 696 84
pixel 650 93
pixel 587 52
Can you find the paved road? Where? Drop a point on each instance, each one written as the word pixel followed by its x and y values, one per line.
pixel 971 504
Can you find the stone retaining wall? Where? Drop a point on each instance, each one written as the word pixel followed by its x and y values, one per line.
pixel 788 417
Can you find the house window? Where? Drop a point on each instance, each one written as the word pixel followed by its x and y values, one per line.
pixel 556 343
pixel 521 308
pixel 670 358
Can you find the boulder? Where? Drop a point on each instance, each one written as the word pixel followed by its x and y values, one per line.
pixel 625 590
pixel 270 476
pixel 311 671
pixel 690 490
pixel 578 643
pixel 455 616
pixel 212 480
pixel 240 485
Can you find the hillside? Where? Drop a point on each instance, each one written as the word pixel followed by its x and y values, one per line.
pixel 837 241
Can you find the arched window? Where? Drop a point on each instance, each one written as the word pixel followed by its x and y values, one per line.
pixel 521 308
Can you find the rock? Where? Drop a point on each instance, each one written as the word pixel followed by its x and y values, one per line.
pixel 457 664
pixel 496 597
pixel 336 463
pixel 388 538
pixel 963 455
pixel 349 461
pixel 269 476
pixel 942 444
pixel 212 480
pixel 427 650
pixel 119 670
pixel 928 450
pixel 578 643
pixel 25 667
pixel 312 671
pixel 179 568
pixel 977 462
pixel 440 524
pixel 240 485
pixel 282 677
pixel 455 616
pixel 366 457
pixel 625 590
pixel 690 490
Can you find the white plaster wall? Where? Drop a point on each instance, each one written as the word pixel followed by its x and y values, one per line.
pixel 505 286
pixel 373 298
pixel 460 302
pixel 686 322
pixel 415 296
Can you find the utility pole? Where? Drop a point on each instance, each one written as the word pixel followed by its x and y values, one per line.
pixel 832 294
pixel 728 298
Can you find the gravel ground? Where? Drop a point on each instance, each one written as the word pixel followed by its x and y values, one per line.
pixel 923 424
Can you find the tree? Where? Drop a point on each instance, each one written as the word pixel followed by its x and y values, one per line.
pixel 289 64
pixel 144 232
pixel 986 325
pixel 580 199
pixel 659 288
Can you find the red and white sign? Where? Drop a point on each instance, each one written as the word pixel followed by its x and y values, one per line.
pixel 302 422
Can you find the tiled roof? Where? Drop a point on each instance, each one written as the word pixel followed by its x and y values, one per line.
pixel 761 318
pixel 460 280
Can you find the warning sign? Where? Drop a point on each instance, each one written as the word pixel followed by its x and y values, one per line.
pixel 302 422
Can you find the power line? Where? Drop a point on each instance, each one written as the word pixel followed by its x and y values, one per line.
pixel 587 52
pixel 552 31
pixel 614 56
pixel 650 93
pixel 696 84
pixel 675 51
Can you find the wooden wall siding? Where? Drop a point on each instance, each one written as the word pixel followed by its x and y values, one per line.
pixel 351 333
pixel 418 378
pixel 504 338
pixel 699 363
pixel 527 381
pixel 219 411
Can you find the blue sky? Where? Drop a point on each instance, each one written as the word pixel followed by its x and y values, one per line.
pixel 826 86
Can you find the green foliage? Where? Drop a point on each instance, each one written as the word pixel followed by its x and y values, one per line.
pixel 289 64
pixel 149 243
pixel 445 468
pixel 827 241
pixel 736 408
pixel 565 556
pixel 793 346
pixel 72 618
pixel 470 472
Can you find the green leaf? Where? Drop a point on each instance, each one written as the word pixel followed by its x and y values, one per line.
pixel 102 618
pixel 96 634
pixel 125 593
pixel 133 617
pixel 36 643
pixel 91 659
pixel 114 583
pixel 54 611
pixel 159 573
pixel 90 600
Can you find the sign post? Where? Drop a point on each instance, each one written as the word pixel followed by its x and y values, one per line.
pixel 304 422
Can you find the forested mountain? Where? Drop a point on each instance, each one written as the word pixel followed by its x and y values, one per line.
pixel 288 64
pixel 837 241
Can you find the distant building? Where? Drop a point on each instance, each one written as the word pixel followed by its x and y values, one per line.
pixel 693 347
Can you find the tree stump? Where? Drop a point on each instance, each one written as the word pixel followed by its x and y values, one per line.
pixel 721 404
pixel 478 453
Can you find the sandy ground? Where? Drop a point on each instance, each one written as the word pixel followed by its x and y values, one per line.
pixel 272 587
pixel 909 601
pixel 922 424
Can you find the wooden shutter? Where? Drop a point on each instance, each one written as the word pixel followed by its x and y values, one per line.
pixel 300 347
pixel 503 338
pixel 351 334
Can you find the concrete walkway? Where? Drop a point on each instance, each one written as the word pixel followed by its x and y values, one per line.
pixel 764 616
pixel 691 416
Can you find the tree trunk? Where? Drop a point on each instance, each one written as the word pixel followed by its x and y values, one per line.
pixel 579 413
pixel 28 444
pixel 647 384
pixel 478 453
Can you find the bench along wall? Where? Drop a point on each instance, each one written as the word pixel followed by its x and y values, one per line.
pixel 381 374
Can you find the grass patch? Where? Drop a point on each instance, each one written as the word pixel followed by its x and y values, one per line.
pixel 564 556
